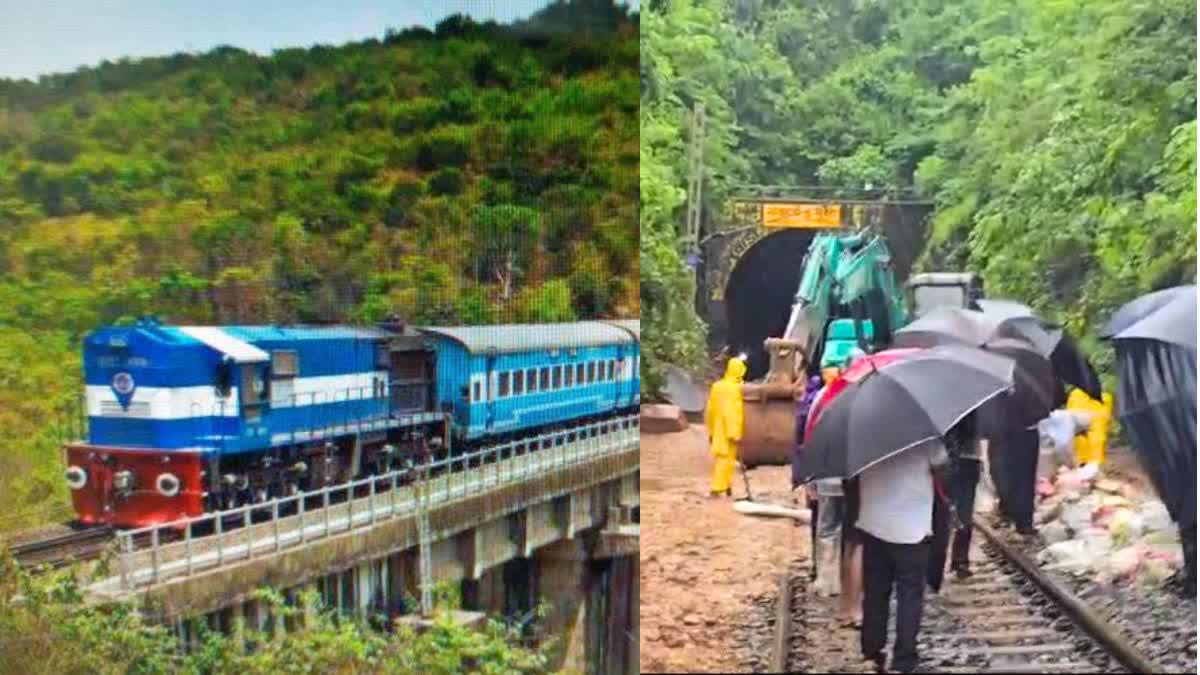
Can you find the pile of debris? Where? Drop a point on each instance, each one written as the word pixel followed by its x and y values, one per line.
pixel 1102 528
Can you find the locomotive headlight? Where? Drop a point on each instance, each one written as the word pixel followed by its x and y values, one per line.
pixel 168 484
pixel 76 478
pixel 123 480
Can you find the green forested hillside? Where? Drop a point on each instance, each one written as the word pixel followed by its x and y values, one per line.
pixel 475 173
pixel 1057 138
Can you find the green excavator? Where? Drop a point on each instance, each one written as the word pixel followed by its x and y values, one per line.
pixel 848 300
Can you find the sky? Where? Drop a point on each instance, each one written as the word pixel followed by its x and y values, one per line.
pixel 39 37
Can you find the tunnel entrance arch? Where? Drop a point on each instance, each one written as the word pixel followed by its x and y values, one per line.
pixel 749 273
pixel 759 292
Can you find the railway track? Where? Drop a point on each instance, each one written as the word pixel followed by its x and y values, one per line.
pixel 1009 617
pixel 55 551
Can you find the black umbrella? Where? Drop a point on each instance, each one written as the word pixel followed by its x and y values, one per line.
pixel 1167 316
pixel 1037 390
pixel 1069 363
pixel 1155 341
pixel 1005 319
pixel 903 404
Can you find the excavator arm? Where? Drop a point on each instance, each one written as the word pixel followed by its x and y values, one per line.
pixel 842 274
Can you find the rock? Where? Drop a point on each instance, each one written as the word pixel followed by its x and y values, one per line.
pixel 1155 571
pixel 692 620
pixel 1125 525
pixel 662 418
pixel 1077 516
pixel 1049 512
pixel 674 640
pixel 1055 532
pixel 1154 515
pixel 1122 564
pixel 651 634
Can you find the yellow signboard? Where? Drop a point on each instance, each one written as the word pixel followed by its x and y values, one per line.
pixel 801 215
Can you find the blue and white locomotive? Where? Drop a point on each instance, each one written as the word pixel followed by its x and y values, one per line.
pixel 188 419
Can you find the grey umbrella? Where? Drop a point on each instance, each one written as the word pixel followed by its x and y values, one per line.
pixel 904 403
pixel 1167 316
pixel 1004 319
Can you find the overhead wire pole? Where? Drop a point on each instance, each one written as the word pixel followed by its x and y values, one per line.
pixel 691 234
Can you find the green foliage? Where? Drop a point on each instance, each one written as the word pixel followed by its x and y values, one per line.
pixel 1058 139
pixel 313 185
pixel 45 628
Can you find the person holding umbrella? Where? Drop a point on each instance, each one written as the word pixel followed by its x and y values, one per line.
pixel 962 446
pixel 886 428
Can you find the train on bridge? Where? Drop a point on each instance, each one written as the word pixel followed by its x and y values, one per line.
pixel 184 420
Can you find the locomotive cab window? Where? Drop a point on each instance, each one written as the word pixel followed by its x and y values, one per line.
pixel 502 385
pixel 253 391
pixel 284 363
pixel 223 382
pixel 518 382
pixel 531 379
pixel 477 398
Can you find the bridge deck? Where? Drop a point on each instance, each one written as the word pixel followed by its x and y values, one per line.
pixel 385 521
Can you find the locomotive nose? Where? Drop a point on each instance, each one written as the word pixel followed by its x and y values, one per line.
pixel 76 478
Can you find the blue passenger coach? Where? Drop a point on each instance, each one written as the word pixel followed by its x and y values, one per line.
pixel 500 381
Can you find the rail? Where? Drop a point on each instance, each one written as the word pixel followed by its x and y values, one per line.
pixel 263 529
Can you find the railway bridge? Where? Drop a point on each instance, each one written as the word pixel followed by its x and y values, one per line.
pixel 549 519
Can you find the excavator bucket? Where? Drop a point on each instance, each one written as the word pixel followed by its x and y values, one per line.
pixel 770 407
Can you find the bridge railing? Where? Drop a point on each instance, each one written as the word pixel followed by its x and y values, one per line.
pixel 146 557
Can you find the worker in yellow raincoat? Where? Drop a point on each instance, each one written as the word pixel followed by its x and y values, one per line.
pixel 1089 448
pixel 725 420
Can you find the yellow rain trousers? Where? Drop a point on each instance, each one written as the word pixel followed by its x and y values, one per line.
pixel 1090 448
pixel 725 420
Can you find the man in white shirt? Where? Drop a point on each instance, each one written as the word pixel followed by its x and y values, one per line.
pixel 895 524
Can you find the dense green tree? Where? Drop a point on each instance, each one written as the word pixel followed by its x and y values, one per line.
pixel 454 175
pixel 1057 139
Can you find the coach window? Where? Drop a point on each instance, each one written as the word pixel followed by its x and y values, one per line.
pixel 558 377
pixel 621 369
pixel 502 385
pixel 580 373
pixel 612 369
pixel 518 382
pixel 568 375
pixel 531 379
pixel 545 384
pixel 591 373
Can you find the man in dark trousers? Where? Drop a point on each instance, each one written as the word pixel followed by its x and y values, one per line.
pixel 1012 457
pixel 895 502
pixel 962 478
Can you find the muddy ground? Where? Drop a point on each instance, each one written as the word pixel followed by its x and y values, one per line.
pixel 703 564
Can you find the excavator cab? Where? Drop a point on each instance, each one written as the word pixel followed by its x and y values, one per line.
pixel 943 289
pixel 843 338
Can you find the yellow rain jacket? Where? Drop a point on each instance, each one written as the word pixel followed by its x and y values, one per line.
pixel 725 420
pixel 1090 448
